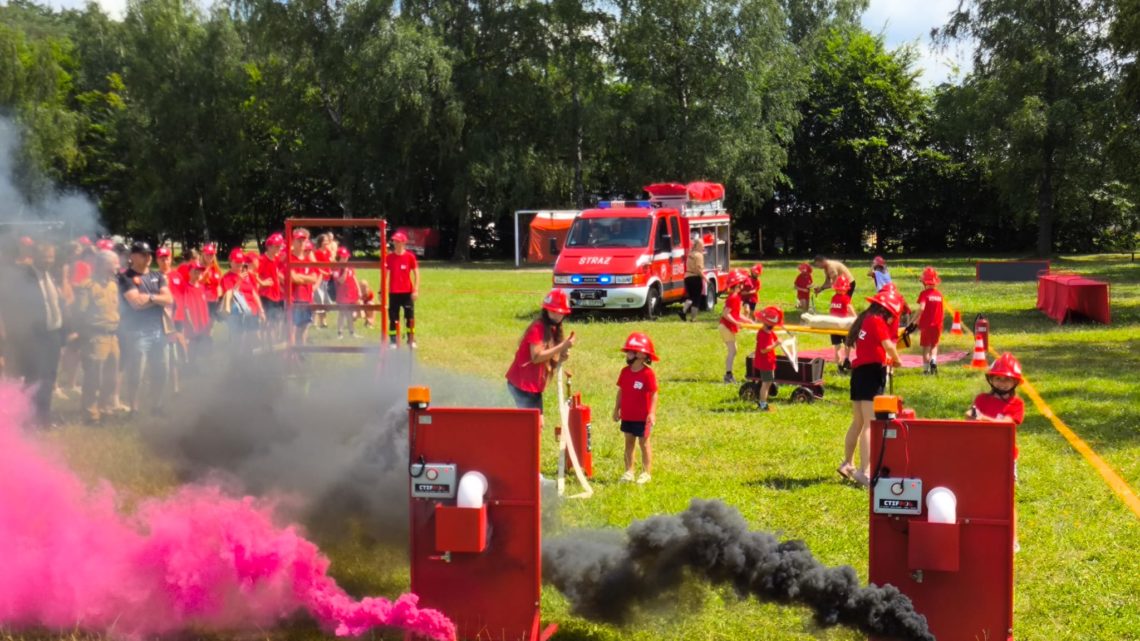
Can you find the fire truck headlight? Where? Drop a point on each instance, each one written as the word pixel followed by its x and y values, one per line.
pixel 626 279
pixel 561 280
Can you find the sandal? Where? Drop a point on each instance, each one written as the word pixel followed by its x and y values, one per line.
pixel 846 471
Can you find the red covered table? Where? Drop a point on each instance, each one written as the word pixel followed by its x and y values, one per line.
pixel 1059 295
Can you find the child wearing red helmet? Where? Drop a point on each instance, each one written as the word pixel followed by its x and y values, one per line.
pixel 403 273
pixel 269 273
pixel 347 293
pixel 764 362
pixel 750 294
pixel 930 314
pixel 879 273
pixel 841 307
pixel 1001 403
pixel 874 346
pixel 730 321
pixel 636 404
pixel 541 347
pixel 803 287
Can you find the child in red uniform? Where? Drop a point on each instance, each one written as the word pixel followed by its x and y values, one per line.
pixel 874 346
pixel 541 347
pixel 636 403
pixel 211 277
pixel 174 316
pixel 403 289
pixel 302 279
pixel 930 315
pixel 750 295
pixel 197 312
pixel 730 320
pixel 269 275
pixel 347 293
pixel 764 362
pixel 803 287
pixel 1001 403
pixel 841 308
pixel 239 282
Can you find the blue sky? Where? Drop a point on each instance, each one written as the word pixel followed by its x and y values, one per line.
pixel 901 22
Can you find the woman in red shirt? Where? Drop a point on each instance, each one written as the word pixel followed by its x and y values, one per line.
pixel 874 349
pixel 541 347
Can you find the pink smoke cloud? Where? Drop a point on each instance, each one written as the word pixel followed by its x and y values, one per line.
pixel 197 559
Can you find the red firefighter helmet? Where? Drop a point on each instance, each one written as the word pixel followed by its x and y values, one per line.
pixel 878 261
pixel 84 241
pixel 758 269
pixel 888 299
pixel 210 249
pixel 930 276
pixel 342 252
pixel 399 237
pixel 842 284
pixel 105 244
pixel 556 301
pixel 26 241
pixel 237 256
pixel 162 252
pixel 805 268
pixel 640 342
pixel 736 278
pixel 1006 365
pixel 772 315
pixel 276 239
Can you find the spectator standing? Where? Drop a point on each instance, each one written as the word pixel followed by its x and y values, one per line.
pixel 35 326
pixel 96 323
pixel 142 340
pixel 833 269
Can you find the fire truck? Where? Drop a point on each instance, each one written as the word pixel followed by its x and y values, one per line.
pixel 630 255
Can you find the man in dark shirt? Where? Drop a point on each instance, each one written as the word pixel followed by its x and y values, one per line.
pixel 33 319
pixel 141 331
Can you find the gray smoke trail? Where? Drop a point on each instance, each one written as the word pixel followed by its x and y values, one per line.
pixel 336 438
pixel 606 580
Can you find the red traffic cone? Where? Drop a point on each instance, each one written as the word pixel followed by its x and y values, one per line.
pixel 956 326
pixel 979 361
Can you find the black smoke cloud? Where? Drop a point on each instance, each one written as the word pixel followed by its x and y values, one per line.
pixel 333 435
pixel 606 580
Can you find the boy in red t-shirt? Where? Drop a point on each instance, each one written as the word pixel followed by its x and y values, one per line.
pixel 347 293
pixel 730 321
pixel 803 287
pixel 302 279
pixel 269 279
pixel 750 295
pixel 403 289
pixel 1001 403
pixel 930 313
pixel 636 404
pixel 764 362
pixel 841 307
pixel 197 312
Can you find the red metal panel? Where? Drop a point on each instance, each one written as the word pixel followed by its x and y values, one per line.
pixel 460 529
pixel 493 595
pixel 975 461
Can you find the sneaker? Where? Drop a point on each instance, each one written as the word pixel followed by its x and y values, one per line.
pixel 729 378
pixel 627 477
pixel 934 368
pixel 643 478
pixel 340 336
pixel 764 407
pixel 393 345
pixel 682 315
pixel 411 343
pixel 352 334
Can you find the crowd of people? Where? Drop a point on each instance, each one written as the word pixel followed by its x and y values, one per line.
pixel 120 324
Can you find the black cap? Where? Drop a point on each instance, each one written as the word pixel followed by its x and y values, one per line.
pixel 139 247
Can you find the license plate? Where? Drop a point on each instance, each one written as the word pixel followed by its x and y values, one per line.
pixel 587 294
pixel 589 303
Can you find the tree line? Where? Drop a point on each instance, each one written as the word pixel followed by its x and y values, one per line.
pixel 218 124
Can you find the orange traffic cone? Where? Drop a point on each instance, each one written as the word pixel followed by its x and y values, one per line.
pixel 956 327
pixel 979 361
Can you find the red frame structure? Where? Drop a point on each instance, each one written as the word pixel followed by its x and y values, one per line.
pixel 382 294
pixel 959 575
pixel 492 594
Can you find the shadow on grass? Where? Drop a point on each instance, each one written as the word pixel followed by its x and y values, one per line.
pixel 780 482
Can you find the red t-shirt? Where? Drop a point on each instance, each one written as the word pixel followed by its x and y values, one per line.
pixel 197 314
pixel 322 256
pixel 177 282
pixel 270 269
pixel 347 292
pixel 245 286
pixel 932 313
pixel 732 304
pixel 400 267
pixel 302 292
pixel 992 406
pixel 803 282
pixel 80 271
pixel 869 345
pixel 523 374
pixel 765 361
pixel 212 282
pixel 636 388
pixel 752 294
pixel 839 305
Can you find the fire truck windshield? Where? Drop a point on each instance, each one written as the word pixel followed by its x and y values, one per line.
pixel 609 232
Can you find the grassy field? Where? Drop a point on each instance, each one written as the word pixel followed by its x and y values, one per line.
pixel 1076 575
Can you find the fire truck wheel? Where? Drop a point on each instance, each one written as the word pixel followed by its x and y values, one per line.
pixel 802 395
pixel 652 303
pixel 710 299
pixel 749 391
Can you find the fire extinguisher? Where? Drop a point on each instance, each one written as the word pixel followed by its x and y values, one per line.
pixel 982 330
pixel 580 429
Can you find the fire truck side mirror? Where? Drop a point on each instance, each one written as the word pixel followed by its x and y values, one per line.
pixel 554 248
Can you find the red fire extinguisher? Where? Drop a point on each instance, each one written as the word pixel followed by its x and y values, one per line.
pixel 982 330
pixel 580 434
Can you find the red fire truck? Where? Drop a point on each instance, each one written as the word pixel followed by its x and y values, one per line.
pixel 625 255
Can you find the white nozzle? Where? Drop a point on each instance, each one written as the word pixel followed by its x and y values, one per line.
pixel 941 506
pixel 472 487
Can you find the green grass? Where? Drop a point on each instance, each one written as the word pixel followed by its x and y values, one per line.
pixel 1076 576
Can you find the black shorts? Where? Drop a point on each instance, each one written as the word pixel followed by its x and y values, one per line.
pixel 765 375
pixel 212 307
pixel 694 290
pixel 274 309
pixel 397 301
pixel 837 339
pixel 635 428
pixel 525 400
pixel 868 381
